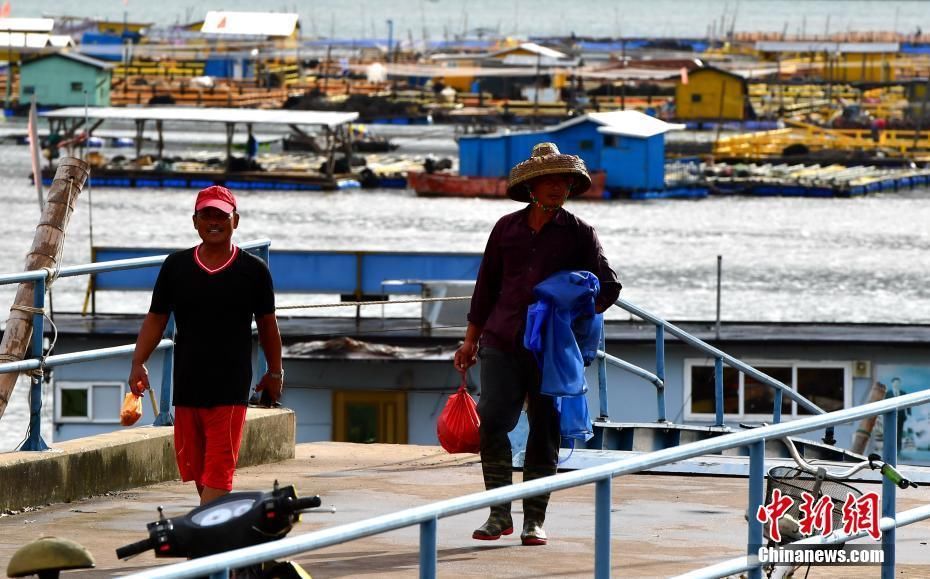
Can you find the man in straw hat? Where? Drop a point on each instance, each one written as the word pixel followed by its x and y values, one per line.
pixel 525 248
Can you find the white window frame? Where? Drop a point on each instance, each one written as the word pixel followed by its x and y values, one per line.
pixel 690 363
pixel 88 386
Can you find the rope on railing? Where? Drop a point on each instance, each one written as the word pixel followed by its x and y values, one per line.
pixel 40 371
pixel 374 303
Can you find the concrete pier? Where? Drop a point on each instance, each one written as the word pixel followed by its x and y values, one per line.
pixel 661 525
pixel 125 459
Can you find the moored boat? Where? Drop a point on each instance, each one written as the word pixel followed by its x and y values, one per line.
pixel 454 185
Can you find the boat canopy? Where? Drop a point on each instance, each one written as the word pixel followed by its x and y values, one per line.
pixel 207 115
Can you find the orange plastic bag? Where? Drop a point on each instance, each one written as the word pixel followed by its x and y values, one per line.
pixel 131 410
pixel 457 426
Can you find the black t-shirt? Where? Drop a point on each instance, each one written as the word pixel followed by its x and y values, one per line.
pixel 213 313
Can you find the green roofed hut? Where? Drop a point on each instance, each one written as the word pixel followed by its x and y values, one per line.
pixel 61 79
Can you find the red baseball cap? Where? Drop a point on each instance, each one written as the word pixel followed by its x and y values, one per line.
pixel 216 196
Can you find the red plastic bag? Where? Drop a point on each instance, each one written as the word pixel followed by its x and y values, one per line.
pixel 457 426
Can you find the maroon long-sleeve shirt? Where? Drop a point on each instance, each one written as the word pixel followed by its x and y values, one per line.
pixel 517 258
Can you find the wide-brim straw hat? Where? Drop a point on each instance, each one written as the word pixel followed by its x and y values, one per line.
pixel 547 160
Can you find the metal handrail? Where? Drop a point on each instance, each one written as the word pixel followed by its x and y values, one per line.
pixel 631 368
pixel 77 357
pixel 720 357
pixel 426 516
pixel 105 266
pixel 716 353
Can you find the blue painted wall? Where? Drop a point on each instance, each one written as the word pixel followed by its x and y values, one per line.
pixel 632 164
pixel 582 140
pixel 317 271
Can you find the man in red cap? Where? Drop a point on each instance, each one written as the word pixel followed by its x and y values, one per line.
pixel 213 290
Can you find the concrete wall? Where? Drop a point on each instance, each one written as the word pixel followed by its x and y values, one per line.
pixel 312 382
pixel 126 459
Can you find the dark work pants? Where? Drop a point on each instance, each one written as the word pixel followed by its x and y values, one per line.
pixel 507 380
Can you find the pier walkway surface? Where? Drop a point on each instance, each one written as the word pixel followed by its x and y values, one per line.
pixel 661 524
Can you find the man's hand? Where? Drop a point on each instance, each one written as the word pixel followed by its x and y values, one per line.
pixel 139 379
pixel 466 356
pixel 271 387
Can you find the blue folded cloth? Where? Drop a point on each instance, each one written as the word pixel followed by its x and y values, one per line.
pixel 564 332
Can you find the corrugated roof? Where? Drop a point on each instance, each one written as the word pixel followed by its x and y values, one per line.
pixel 76 57
pixel 831 47
pixel 250 23
pixel 624 123
pixel 209 115
pixel 430 71
pixel 24 39
pixel 27 24
pixel 531 47
pixel 60 40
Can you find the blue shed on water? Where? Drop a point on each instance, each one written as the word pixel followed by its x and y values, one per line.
pixel 628 145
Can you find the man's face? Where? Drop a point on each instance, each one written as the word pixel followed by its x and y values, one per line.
pixel 552 190
pixel 215 226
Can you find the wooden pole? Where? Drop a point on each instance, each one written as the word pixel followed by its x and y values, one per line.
pixel 46 248
pixel 864 432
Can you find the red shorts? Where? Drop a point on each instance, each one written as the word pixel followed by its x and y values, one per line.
pixel 206 443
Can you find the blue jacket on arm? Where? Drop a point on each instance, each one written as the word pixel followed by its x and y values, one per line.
pixel 563 330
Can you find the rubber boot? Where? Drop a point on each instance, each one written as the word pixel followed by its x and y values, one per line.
pixel 534 508
pixel 497 473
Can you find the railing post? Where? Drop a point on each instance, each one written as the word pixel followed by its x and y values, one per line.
pixel 602 528
pixel 602 377
pixel 756 497
pixel 34 441
pixel 428 549
pixel 718 389
pixel 660 370
pixel 224 574
pixel 889 490
pixel 164 417
pixel 776 413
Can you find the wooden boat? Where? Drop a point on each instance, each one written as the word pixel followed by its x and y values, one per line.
pixel 454 185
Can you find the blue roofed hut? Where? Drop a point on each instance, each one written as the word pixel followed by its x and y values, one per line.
pixel 628 146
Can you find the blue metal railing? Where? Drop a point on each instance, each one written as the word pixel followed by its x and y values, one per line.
pixel 427 516
pixel 36 362
pixel 720 357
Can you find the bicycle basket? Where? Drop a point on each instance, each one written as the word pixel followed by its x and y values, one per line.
pixel 792 481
